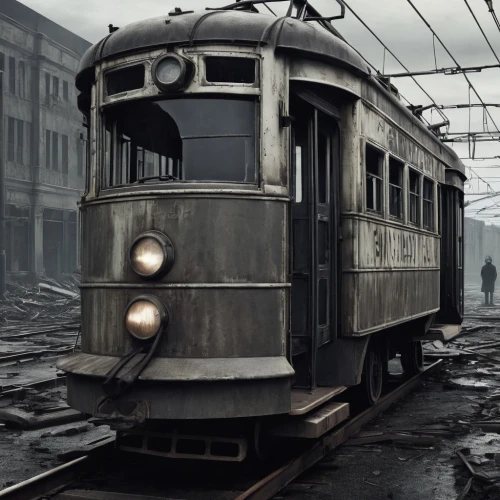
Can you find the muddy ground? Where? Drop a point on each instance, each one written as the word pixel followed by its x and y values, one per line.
pixel 449 410
pixel 448 413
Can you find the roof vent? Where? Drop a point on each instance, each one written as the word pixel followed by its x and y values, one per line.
pixel 178 12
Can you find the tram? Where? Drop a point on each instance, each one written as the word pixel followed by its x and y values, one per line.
pixel 264 225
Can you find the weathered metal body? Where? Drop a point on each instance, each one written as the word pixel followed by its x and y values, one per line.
pixel 234 341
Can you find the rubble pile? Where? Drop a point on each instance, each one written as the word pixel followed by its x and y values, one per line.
pixel 48 301
pixel 39 321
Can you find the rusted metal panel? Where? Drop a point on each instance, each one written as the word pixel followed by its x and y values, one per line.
pixel 376 127
pixel 392 297
pixel 182 369
pixel 386 246
pixel 216 239
pixel 205 322
pixel 187 400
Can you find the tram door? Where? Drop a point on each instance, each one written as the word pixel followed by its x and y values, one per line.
pixel 314 299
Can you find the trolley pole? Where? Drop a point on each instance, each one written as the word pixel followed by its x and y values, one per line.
pixel 3 260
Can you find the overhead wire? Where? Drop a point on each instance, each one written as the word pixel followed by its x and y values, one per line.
pixel 424 20
pixel 388 50
pixel 482 31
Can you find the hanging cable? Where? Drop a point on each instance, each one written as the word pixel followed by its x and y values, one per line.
pixel 270 10
pixel 389 50
pixel 481 29
pixel 453 59
pixel 434 48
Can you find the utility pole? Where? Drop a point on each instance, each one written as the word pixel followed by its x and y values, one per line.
pixel 3 260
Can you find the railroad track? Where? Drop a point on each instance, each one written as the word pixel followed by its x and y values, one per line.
pixel 81 478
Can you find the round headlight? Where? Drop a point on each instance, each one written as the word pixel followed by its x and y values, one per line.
pixel 145 317
pixel 151 254
pixel 171 72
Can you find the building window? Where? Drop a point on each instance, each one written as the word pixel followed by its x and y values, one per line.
pixel 55 86
pixel 374 175
pixel 11 138
pixel 47 149
pixel 428 199
pixel 55 150
pixel 47 89
pixel 12 75
pixel 2 61
pixel 396 188
pixel 20 142
pixel 65 90
pixel 80 145
pixel 414 178
pixel 65 156
pixel 22 79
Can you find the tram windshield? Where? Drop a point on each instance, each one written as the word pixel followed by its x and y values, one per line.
pixel 186 139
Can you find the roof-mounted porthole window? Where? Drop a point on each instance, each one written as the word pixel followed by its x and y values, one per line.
pixel 230 69
pixel 123 80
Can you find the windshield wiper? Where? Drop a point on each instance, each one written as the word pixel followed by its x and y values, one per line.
pixel 166 177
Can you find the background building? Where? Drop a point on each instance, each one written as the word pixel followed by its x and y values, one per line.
pixel 44 150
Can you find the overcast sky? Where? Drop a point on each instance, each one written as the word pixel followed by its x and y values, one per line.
pixel 394 21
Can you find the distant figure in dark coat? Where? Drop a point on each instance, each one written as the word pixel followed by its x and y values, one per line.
pixel 489 275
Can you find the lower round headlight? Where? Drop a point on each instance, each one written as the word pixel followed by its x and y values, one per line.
pixel 151 254
pixel 145 317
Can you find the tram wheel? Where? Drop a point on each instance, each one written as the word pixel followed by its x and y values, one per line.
pixel 373 374
pixel 412 357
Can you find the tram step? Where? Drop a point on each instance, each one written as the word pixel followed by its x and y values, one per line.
pixel 445 333
pixel 314 424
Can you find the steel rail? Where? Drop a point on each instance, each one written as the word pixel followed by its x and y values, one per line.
pixel 277 480
pixel 62 476
pixel 56 478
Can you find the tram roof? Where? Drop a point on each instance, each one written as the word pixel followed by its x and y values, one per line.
pixel 222 26
pixel 230 27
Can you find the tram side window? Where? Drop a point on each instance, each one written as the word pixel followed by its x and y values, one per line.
pixel 428 199
pixel 414 185
pixel 396 188
pixel 374 175
pixel 185 139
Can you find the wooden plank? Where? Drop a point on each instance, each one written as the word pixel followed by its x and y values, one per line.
pixel 304 401
pixel 315 424
pixel 60 291
pixel 15 417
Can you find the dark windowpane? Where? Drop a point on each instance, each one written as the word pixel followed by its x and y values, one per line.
pixel 395 188
pixel 414 215
pixel 47 88
pixel 322 302
pixel 12 75
pixel 11 134
pixel 22 79
pixel 230 69
pixel 47 149
pixel 65 90
pixel 55 86
pixel 20 142
pixel 323 247
pixel 65 158
pixel 79 155
pixel 2 61
pixel 55 151
pixel 374 174
pixel 428 204
pixel 189 139
pixel 324 153
pixel 125 79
